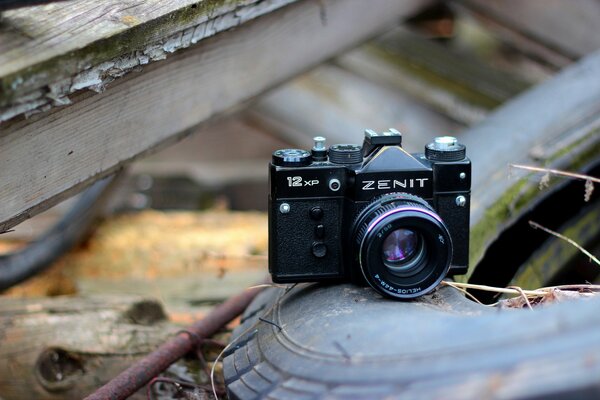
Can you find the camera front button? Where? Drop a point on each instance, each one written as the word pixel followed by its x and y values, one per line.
pixel 320 231
pixel 319 249
pixel 316 213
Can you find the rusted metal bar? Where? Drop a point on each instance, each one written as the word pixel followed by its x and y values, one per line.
pixel 140 373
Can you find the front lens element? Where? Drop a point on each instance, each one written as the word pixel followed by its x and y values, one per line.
pixel 403 252
pixel 400 246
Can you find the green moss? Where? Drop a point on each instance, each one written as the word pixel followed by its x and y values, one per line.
pixel 591 153
pixel 567 149
pixel 463 75
pixel 433 79
pixel 494 217
pixel 132 39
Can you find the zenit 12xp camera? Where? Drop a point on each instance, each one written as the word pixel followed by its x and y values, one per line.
pixel 374 214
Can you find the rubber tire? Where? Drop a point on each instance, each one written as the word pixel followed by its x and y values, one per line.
pixel 344 342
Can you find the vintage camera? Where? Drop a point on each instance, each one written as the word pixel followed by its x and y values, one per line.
pixel 374 214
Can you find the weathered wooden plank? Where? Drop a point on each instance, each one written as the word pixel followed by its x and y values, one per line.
pixel 480 83
pixel 98 133
pixel 537 53
pixel 50 51
pixel 232 151
pixel 188 260
pixel 454 82
pixel 335 103
pixel 566 26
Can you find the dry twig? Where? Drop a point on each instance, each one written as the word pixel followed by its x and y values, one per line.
pixel 486 288
pixel 589 180
pixel 464 291
pixel 556 172
pixel 523 296
pixel 268 285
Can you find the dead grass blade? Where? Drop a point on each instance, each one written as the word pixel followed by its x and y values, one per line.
pixel 535 225
pixel 486 288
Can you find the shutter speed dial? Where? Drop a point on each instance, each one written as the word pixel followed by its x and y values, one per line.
pixel 445 149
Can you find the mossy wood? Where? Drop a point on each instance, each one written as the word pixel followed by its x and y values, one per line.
pixel 556 124
pixel 97 133
pixel 454 82
pixel 550 260
pixel 475 84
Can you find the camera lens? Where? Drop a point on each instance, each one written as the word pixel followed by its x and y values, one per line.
pixel 404 248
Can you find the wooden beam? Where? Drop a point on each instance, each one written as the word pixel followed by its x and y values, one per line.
pixel 454 82
pixel 50 156
pixel 567 27
pixel 341 106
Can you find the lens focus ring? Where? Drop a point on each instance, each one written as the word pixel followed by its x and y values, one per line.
pixel 381 205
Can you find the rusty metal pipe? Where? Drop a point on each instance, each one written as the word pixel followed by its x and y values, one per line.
pixel 140 373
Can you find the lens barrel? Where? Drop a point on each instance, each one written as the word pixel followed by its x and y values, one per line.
pixel 403 247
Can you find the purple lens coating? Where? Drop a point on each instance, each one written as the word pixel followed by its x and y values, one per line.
pixel 400 245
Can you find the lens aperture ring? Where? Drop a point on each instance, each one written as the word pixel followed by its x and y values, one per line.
pixel 382 204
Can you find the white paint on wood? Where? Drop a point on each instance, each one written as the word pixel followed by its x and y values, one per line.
pixel 56 86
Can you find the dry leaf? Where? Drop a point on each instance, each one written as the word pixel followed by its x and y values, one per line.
pixel 552 296
pixel 589 188
pixel 545 181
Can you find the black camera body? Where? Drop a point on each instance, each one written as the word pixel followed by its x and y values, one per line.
pixel 373 214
